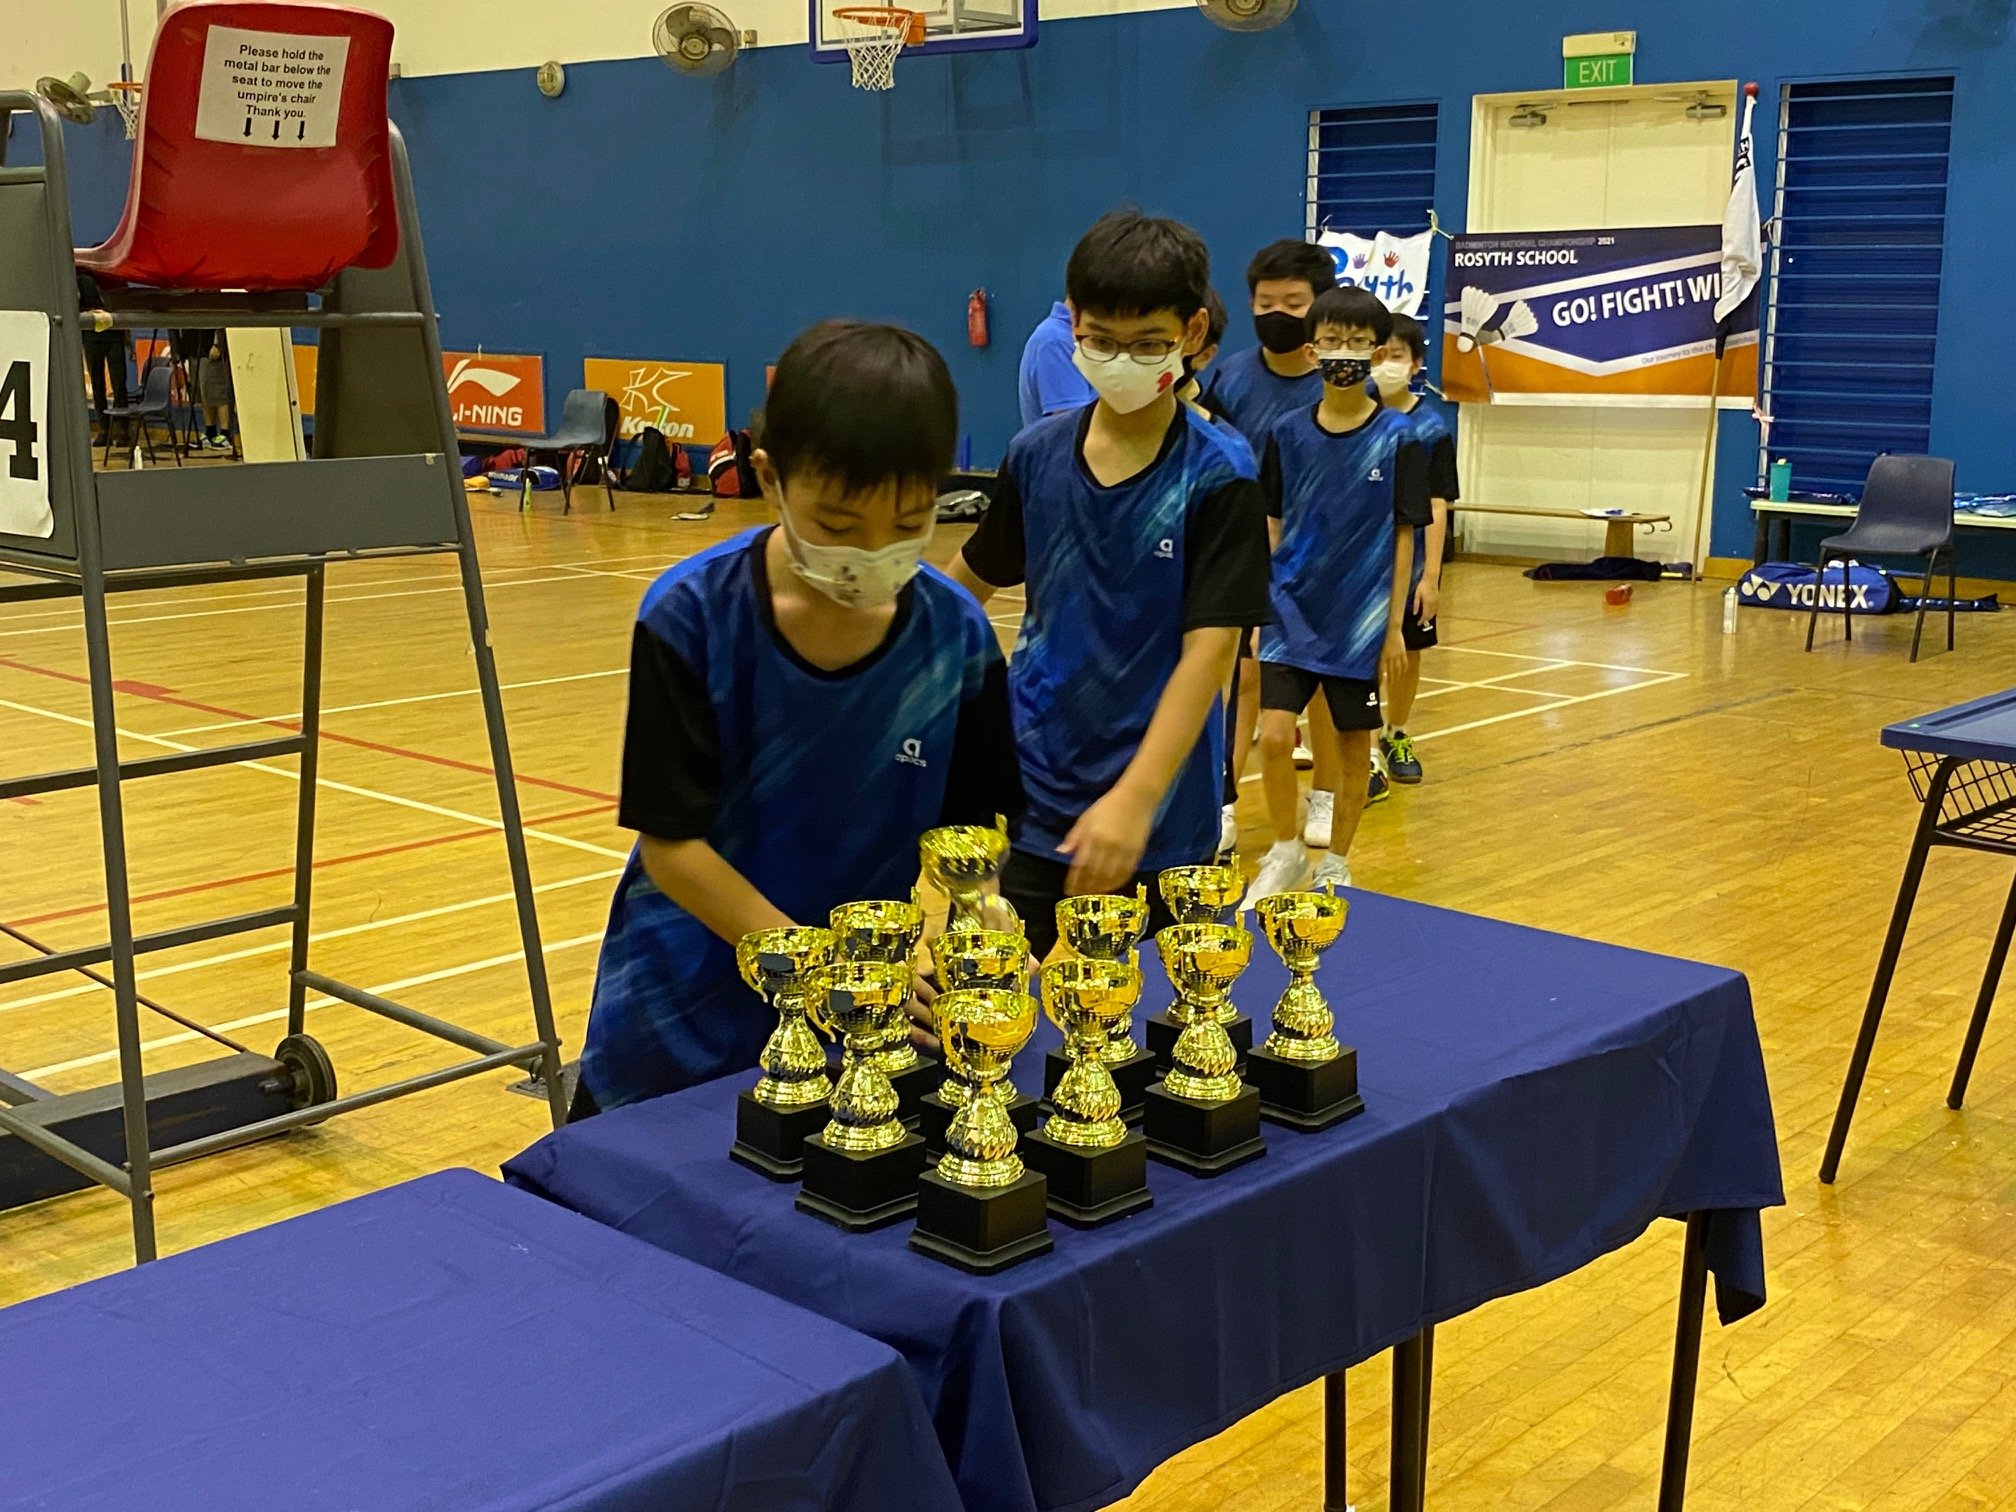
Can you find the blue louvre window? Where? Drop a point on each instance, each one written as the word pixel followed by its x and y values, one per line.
pixel 1372 169
pixel 1854 300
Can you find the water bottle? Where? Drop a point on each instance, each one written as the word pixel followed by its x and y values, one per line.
pixel 1729 611
pixel 1781 481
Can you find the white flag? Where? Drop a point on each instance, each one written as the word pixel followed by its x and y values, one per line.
pixel 1742 235
pixel 1393 268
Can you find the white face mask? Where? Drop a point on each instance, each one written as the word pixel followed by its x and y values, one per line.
pixel 1128 385
pixel 1392 377
pixel 851 576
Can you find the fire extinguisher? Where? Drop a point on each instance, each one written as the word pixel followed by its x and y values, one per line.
pixel 976 318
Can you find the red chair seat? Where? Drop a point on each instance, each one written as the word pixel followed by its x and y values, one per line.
pixel 214 215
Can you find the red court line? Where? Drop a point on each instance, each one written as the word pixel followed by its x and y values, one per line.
pixel 214 883
pixel 155 693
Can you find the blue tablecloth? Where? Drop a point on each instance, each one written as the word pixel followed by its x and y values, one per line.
pixel 1533 1101
pixel 449 1344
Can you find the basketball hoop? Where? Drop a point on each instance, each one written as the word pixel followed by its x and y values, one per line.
pixel 873 35
pixel 126 99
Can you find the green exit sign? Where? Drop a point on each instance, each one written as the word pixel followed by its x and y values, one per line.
pixel 1596 73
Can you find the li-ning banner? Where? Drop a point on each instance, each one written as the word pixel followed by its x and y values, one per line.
pixel 1591 317
pixel 1393 268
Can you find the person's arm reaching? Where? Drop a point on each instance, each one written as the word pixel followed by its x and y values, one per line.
pixel 993 556
pixel 696 877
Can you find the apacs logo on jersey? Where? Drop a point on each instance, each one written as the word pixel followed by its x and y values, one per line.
pixel 496 391
pixel 911 753
pixel 688 401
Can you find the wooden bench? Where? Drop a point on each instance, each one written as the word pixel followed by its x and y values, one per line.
pixel 1617 528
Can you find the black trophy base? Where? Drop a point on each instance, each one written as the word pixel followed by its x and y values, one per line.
pixel 982 1230
pixel 914 1085
pixel 772 1140
pixel 1163 1031
pixel 861 1192
pixel 938 1113
pixel 1203 1138
pixel 1131 1076
pixel 1303 1096
pixel 1091 1187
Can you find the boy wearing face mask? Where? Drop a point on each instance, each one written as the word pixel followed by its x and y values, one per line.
pixel 805 700
pixel 1399 360
pixel 1137 528
pixel 1343 480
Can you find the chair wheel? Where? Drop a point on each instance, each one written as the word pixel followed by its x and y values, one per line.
pixel 309 1066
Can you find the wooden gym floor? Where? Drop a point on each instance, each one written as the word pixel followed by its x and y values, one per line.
pixel 1627 774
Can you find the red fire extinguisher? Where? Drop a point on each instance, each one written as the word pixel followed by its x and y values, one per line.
pixel 976 318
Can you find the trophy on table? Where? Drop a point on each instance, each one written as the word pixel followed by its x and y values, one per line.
pixel 888 931
pixel 1107 927
pixel 861 1169
pixel 960 860
pixel 1201 1116
pixel 975 958
pixel 1304 1077
pixel 788 1104
pixel 980 1208
pixel 1201 895
pixel 1097 1166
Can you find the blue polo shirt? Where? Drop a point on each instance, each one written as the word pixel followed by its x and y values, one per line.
pixel 1049 381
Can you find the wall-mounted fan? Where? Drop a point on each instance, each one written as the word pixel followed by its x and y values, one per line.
pixel 71 97
pixel 696 40
pixel 1246 15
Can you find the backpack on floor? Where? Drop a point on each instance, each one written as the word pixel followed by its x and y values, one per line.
pixel 1792 585
pixel 656 469
pixel 729 466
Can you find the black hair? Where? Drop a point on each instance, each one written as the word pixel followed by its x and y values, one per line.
pixel 1409 330
pixel 1353 308
pixel 1214 318
pixel 1131 264
pixel 861 404
pixel 1292 259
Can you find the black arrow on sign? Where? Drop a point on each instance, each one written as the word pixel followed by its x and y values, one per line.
pixel 276 131
pixel 248 123
pixel 302 134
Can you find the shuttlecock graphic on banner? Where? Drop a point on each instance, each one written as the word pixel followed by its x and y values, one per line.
pixel 1477 308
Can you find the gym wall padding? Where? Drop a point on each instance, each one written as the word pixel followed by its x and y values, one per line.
pixel 647 214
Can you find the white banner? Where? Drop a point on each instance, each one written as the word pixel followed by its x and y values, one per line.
pixel 1393 268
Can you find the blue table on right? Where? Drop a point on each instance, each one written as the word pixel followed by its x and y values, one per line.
pixel 1961 763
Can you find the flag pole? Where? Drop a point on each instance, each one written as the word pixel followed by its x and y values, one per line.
pixel 1702 534
pixel 1742 264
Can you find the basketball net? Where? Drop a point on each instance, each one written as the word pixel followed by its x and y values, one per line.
pixel 873 38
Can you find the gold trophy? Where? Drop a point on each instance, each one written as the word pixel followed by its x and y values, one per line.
pixel 889 931
pixel 1305 1078
pixel 960 860
pixel 861 1169
pixel 1201 895
pixel 975 958
pixel 1201 1116
pixel 1107 927
pixel 1097 1167
pixel 788 1103
pixel 981 1209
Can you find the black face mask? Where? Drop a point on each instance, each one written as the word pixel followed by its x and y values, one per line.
pixel 1280 332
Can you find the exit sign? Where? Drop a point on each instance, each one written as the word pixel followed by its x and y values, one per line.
pixel 1596 73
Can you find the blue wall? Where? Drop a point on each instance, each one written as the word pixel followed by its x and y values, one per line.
pixel 646 214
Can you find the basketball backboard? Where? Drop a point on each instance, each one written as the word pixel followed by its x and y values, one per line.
pixel 949 26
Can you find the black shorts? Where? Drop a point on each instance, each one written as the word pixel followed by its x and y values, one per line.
pixel 1354 702
pixel 1417 634
pixel 1249 643
pixel 1034 885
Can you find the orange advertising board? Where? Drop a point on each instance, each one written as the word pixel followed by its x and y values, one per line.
pixel 688 401
pixel 495 391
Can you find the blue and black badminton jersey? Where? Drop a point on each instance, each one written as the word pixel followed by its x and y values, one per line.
pixel 813 784
pixel 1253 396
pixel 1340 498
pixel 1116 577
pixel 1430 430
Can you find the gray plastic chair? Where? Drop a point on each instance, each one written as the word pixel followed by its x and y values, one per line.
pixel 587 431
pixel 157 393
pixel 1906 511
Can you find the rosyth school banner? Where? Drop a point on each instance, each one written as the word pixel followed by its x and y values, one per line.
pixel 1591 317
pixel 1393 268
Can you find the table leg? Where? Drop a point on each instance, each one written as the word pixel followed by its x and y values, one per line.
pixel 1427 1398
pixel 1617 539
pixel 1886 968
pixel 1998 953
pixel 1784 527
pixel 1409 1451
pixel 1760 541
pixel 1334 1468
pixel 1686 1365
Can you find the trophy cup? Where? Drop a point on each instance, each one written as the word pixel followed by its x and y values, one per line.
pixel 975 958
pixel 981 1209
pixel 1201 1116
pixel 1096 1165
pixel 1201 895
pixel 960 860
pixel 889 932
pixel 788 1103
pixel 861 1169
pixel 1106 927
pixel 1304 1077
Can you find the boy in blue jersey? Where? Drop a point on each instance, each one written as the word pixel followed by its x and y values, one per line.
pixel 1046 382
pixel 1138 529
pixel 805 700
pixel 1399 361
pixel 1343 479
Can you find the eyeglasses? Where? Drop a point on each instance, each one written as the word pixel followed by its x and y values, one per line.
pixel 1148 349
pixel 1348 349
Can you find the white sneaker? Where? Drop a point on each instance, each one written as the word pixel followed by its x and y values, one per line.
pixel 1285 868
pixel 1316 827
pixel 1332 869
pixel 1228 830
